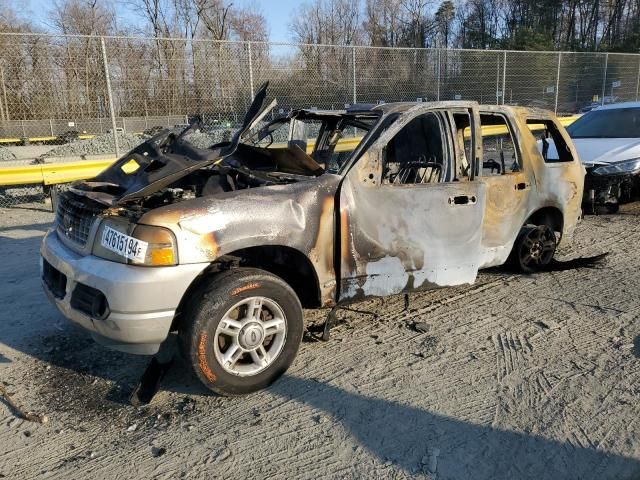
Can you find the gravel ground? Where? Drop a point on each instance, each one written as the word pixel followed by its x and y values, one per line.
pixel 6 155
pixel 513 377
pixel 29 152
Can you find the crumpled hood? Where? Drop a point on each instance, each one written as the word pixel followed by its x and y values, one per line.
pixel 160 161
pixel 607 150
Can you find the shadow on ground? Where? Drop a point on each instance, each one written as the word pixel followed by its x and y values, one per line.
pixel 411 437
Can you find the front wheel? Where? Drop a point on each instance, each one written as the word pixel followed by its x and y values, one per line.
pixel 534 248
pixel 243 331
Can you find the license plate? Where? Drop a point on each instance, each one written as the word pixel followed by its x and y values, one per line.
pixel 124 245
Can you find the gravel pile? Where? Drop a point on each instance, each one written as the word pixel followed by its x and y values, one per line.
pixel 103 144
pixel 6 155
pixel 200 139
pixel 99 145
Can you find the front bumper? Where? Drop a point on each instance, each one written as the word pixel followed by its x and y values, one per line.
pixel 142 301
pixel 609 189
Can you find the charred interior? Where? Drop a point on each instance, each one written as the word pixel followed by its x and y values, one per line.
pixel 167 168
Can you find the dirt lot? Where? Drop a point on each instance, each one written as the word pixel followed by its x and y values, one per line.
pixel 515 377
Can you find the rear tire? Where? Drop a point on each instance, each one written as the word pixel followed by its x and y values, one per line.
pixel 243 332
pixel 533 249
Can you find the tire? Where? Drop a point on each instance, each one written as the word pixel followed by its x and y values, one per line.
pixel 533 249
pixel 223 318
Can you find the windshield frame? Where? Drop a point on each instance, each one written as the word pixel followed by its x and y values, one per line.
pixel 331 120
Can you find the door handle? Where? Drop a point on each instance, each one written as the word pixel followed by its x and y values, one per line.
pixel 522 186
pixel 462 200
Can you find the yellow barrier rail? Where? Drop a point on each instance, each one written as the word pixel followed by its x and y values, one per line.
pixel 40 139
pixel 55 173
pixel 52 173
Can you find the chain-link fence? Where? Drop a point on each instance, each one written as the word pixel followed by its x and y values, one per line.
pixel 89 96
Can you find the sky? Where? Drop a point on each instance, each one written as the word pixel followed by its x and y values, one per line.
pixel 277 12
pixel 278 15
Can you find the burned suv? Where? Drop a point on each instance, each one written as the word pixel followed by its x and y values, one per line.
pixel 227 245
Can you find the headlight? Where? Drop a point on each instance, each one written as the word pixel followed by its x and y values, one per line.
pixel 161 246
pixel 120 241
pixel 620 168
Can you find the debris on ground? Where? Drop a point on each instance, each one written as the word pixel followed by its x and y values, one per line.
pixel 18 411
pixel 158 451
pixel 595 261
pixel 421 327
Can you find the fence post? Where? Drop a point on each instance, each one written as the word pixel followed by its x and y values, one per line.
pixel 110 96
pixel 4 94
pixel 51 126
pixel 497 80
pixel 555 109
pixel 353 65
pixel 638 80
pixel 504 76
pixel 250 72
pixel 604 80
pixel 438 71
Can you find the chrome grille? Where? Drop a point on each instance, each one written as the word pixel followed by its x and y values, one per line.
pixel 75 217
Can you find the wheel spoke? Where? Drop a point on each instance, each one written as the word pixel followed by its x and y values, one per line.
pixel 273 326
pixel 260 356
pixel 229 327
pixel 548 245
pixel 526 259
pixel 232 355
pixel 254 308
pixel 534 235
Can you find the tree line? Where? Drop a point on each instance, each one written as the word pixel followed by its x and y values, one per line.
pixel 178 70
pixel 576 25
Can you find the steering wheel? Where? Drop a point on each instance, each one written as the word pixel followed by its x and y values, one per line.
pixel 493 165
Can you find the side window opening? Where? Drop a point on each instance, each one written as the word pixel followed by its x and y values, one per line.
pixel 499 152
pixel 551 144
pixel 416 154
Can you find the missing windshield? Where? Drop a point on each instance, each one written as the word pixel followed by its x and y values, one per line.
pixel 327 138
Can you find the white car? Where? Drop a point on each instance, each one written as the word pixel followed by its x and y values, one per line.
pixel 608 143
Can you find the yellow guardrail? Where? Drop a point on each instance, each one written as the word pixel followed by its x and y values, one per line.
pixel 40 139
pixel 54 173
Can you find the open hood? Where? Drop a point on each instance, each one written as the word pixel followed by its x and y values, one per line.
pixel 162 160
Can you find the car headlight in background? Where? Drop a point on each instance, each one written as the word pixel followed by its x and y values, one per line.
pixel 160 243
pixel 620 168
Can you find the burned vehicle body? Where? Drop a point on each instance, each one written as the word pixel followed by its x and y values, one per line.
pixel 390 198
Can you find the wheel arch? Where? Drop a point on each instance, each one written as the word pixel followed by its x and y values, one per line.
pixel 288 263
pixel 551 216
